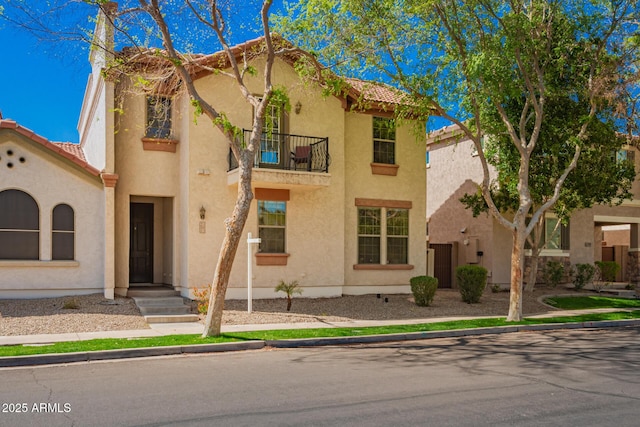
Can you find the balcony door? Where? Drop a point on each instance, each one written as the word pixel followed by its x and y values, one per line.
pixel 272 150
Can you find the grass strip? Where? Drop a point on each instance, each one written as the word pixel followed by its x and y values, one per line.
pixel 173 340
pixel 589 302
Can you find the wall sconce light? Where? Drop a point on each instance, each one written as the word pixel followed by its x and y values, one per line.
pixel 203 211
pixel 298 107
pixel 463 230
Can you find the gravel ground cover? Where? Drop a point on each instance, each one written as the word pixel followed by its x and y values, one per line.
pixel 95 313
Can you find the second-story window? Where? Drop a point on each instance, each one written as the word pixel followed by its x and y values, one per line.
pixel 158 117
pixel 384 140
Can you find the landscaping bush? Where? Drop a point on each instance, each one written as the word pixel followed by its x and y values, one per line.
pixel 423 289
pixel 582 275
pixel 472 280
pixel 553 273
pixel 608 270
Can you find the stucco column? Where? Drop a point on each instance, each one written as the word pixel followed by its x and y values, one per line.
pixel 109 181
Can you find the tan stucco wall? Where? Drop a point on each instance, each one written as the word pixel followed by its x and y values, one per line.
pixel 408 185
pixel 51 180
pixel 322 248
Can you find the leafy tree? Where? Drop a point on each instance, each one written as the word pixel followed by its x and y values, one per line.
pixel 469 61
pixel 600 177
pixel 144 25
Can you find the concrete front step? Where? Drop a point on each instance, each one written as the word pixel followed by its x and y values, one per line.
pixel 178 318
pixel 159 301
pixel 151 293
pixel 161 304
pixel 162 310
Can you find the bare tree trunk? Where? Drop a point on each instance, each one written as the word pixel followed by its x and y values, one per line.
pixel 515 296
pixel 533 271
pixel 232 237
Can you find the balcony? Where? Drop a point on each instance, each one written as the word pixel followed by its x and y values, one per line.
pixel 285 160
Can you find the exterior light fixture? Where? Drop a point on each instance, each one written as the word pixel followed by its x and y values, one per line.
pixel 203 211
pixel 298 107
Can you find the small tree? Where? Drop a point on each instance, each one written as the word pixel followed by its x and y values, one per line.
pixel 289 288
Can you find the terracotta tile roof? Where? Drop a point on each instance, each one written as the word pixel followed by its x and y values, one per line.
pixel 72 152
pixel 73 149
pixel 376 92
pixel 383 96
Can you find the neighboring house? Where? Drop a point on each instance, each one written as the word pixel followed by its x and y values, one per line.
pixel 52 238
pixel 457 238
pixel 339 192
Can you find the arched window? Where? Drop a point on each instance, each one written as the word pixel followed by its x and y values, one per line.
pixel 62 233
pixel 19 226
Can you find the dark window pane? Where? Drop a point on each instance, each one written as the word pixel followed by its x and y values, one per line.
pixel 383 152
pixel 19 245
pixel 272 240
pixel 63 218
pixel 384 128
pixel 397 250
pixel 369 221
pixel 397 222
pixel 62 246
pixel 368 250
pixel 158 117
pixel 18 211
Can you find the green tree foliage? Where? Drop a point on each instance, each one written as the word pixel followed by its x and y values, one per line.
pixel 492 68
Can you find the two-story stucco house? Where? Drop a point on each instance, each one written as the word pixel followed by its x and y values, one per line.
pixel 339 192
pixel 457 238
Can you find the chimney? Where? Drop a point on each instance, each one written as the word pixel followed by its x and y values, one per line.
pixel 102 45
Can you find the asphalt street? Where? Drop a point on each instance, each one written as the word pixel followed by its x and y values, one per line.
pixel 568 377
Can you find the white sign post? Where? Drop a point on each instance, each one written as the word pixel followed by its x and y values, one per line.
pixel 250 270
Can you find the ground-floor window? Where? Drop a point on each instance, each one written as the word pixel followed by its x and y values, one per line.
pixel 383 233
pixel 19 226
pixel 272 223
pixel 63 233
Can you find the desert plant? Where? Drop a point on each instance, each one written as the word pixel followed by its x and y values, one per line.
pixel 496 288
pixel 553 273
pixel 71 304
pixel 423 289
pixel 289 288
pixel 202 298
pixel 472 280
pixel 630 286
pixel 583 274
pixel 608 270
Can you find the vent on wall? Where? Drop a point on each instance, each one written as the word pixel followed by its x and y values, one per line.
pixel 10 159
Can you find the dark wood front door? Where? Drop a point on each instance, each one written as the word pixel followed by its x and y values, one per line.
pixel 442 263
pixel 141 243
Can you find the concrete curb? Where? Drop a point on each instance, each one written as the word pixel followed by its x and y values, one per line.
pixel 49 359
pixel 92 356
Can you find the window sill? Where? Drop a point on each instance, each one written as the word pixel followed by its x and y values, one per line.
pixel 383 267
pixel 37 263
pixel 384 169
pixel 271 259
pixel 159 144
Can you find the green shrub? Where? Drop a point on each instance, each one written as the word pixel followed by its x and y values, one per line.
pixel 472 280
pixel 553 273
pixel 608 270
pixel 423 289
pixel 582 275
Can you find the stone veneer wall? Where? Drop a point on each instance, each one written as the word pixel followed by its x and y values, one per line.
pixel 542 262
pixel 633 267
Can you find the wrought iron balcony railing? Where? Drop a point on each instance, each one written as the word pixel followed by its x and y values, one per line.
pixel 289 152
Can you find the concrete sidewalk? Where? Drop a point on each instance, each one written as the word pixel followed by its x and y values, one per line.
pixel 162 329
pixel 182 328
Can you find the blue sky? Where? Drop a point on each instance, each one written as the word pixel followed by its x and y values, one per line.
pixel 40 89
